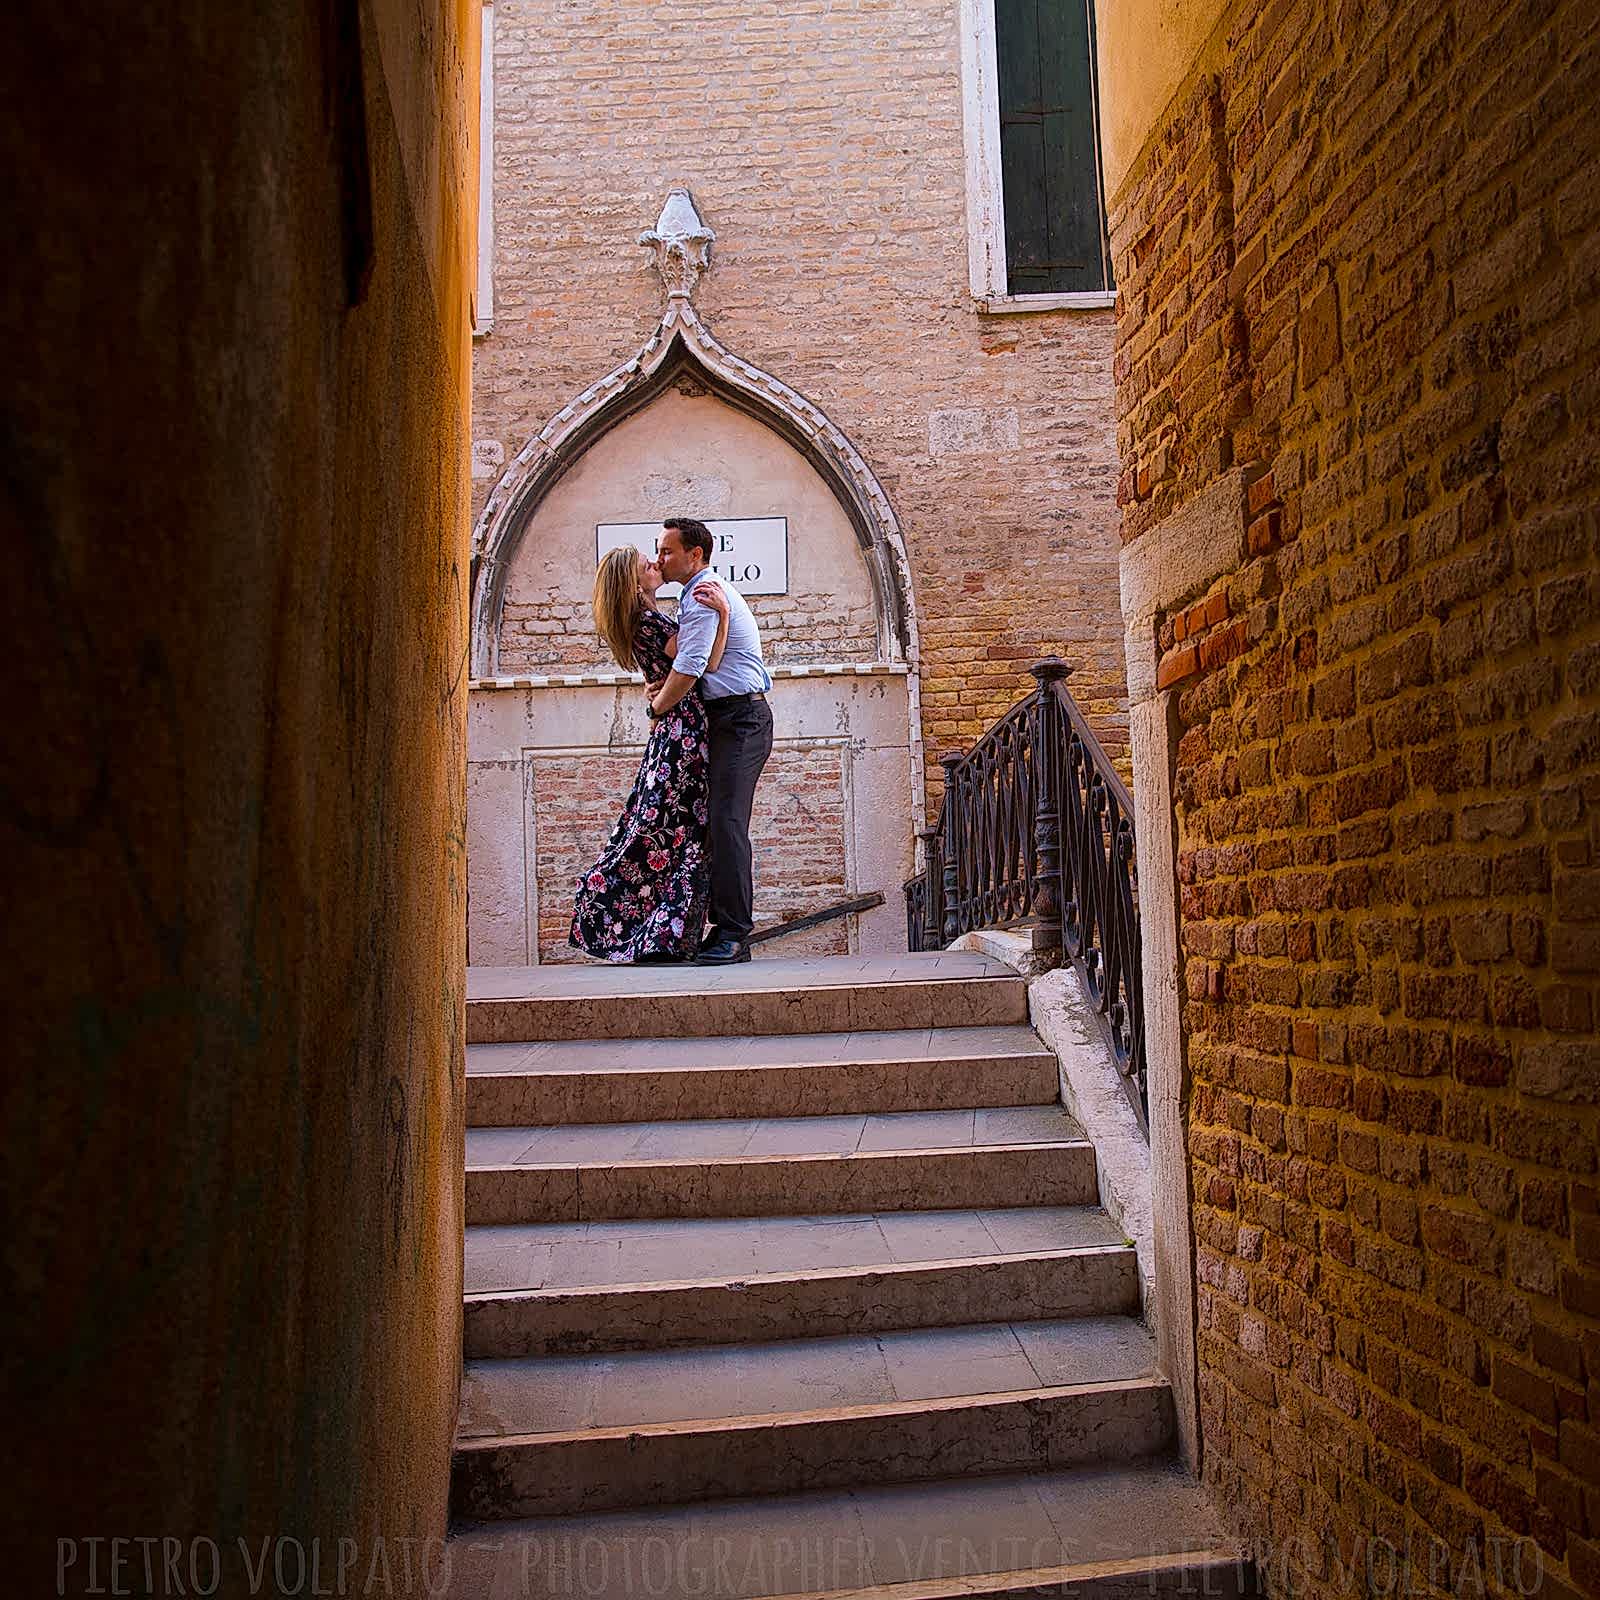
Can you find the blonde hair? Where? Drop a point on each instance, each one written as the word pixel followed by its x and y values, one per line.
pixel 618 603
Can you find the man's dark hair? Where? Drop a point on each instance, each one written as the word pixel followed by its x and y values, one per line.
pixel 693 535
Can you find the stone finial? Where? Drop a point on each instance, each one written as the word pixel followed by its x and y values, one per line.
pixel 682 243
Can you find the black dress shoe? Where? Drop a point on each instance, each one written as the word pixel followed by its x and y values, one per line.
pixel 723 953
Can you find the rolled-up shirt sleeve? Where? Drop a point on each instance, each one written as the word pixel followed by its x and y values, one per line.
pixel 697 632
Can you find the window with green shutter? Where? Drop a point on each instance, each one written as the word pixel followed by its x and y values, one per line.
pixel 1049 147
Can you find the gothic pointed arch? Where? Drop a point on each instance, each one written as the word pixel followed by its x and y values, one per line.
pixel 682 347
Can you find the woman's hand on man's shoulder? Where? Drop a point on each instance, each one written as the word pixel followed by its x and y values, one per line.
pixel 710 593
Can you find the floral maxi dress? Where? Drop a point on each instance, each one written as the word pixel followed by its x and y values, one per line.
pixel 646 895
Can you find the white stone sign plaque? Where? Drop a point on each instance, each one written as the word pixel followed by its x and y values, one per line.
pixel 751 553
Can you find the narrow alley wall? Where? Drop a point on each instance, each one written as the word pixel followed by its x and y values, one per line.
pixel 825 149
pixel 1359 251
pixel 237 331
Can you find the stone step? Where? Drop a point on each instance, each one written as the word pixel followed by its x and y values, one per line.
pixel 831 994
pixel 557 1435
pixel 1107 1532
pixel 588 1288
pixel 582 1255
pixel 938 1160
pixel 837 1300
pixel 756 1075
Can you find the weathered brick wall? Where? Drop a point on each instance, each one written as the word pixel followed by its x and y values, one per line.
pixel 797 832
pixel 1361 261
pixel 825 148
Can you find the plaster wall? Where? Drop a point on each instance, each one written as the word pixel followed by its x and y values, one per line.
pixel 1147 48
pixel 232 804
pixel 692 454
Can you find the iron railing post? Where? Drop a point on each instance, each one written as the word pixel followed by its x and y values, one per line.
pixel 950 921
pixel 933 885
pixel 1049 893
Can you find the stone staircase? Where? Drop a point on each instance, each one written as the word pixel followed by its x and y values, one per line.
pixel 791 1278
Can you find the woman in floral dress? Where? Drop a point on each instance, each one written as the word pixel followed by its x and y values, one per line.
pixel 644 900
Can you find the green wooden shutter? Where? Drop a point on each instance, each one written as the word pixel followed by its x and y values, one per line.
pixel 1055 226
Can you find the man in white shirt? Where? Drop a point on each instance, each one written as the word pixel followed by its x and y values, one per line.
pixel 735 697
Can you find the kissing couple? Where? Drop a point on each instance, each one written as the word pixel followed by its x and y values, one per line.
pixel 675 880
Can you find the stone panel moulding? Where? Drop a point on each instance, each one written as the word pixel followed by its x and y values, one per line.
pixel 682 348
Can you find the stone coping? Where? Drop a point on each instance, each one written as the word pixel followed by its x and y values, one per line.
pixel 1091 1088
pixel 585 680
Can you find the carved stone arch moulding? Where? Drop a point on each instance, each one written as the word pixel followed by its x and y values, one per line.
pixel 681 348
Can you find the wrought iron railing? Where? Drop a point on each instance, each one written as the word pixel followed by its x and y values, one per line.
pixel 1037 823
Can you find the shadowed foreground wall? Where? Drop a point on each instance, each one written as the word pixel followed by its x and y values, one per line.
pixel 234 517
pixel 1360 264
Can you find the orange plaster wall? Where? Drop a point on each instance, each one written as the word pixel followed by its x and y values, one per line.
pixel 235 518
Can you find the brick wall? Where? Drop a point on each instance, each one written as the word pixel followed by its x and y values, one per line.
pixel 825 148
pixel 1361 261
pixel 797 832
pixel 556 635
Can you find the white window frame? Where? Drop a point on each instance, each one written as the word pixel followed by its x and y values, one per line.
pixel 483 299
pixel 986 196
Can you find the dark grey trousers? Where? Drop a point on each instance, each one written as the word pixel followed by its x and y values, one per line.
pixel 741 741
